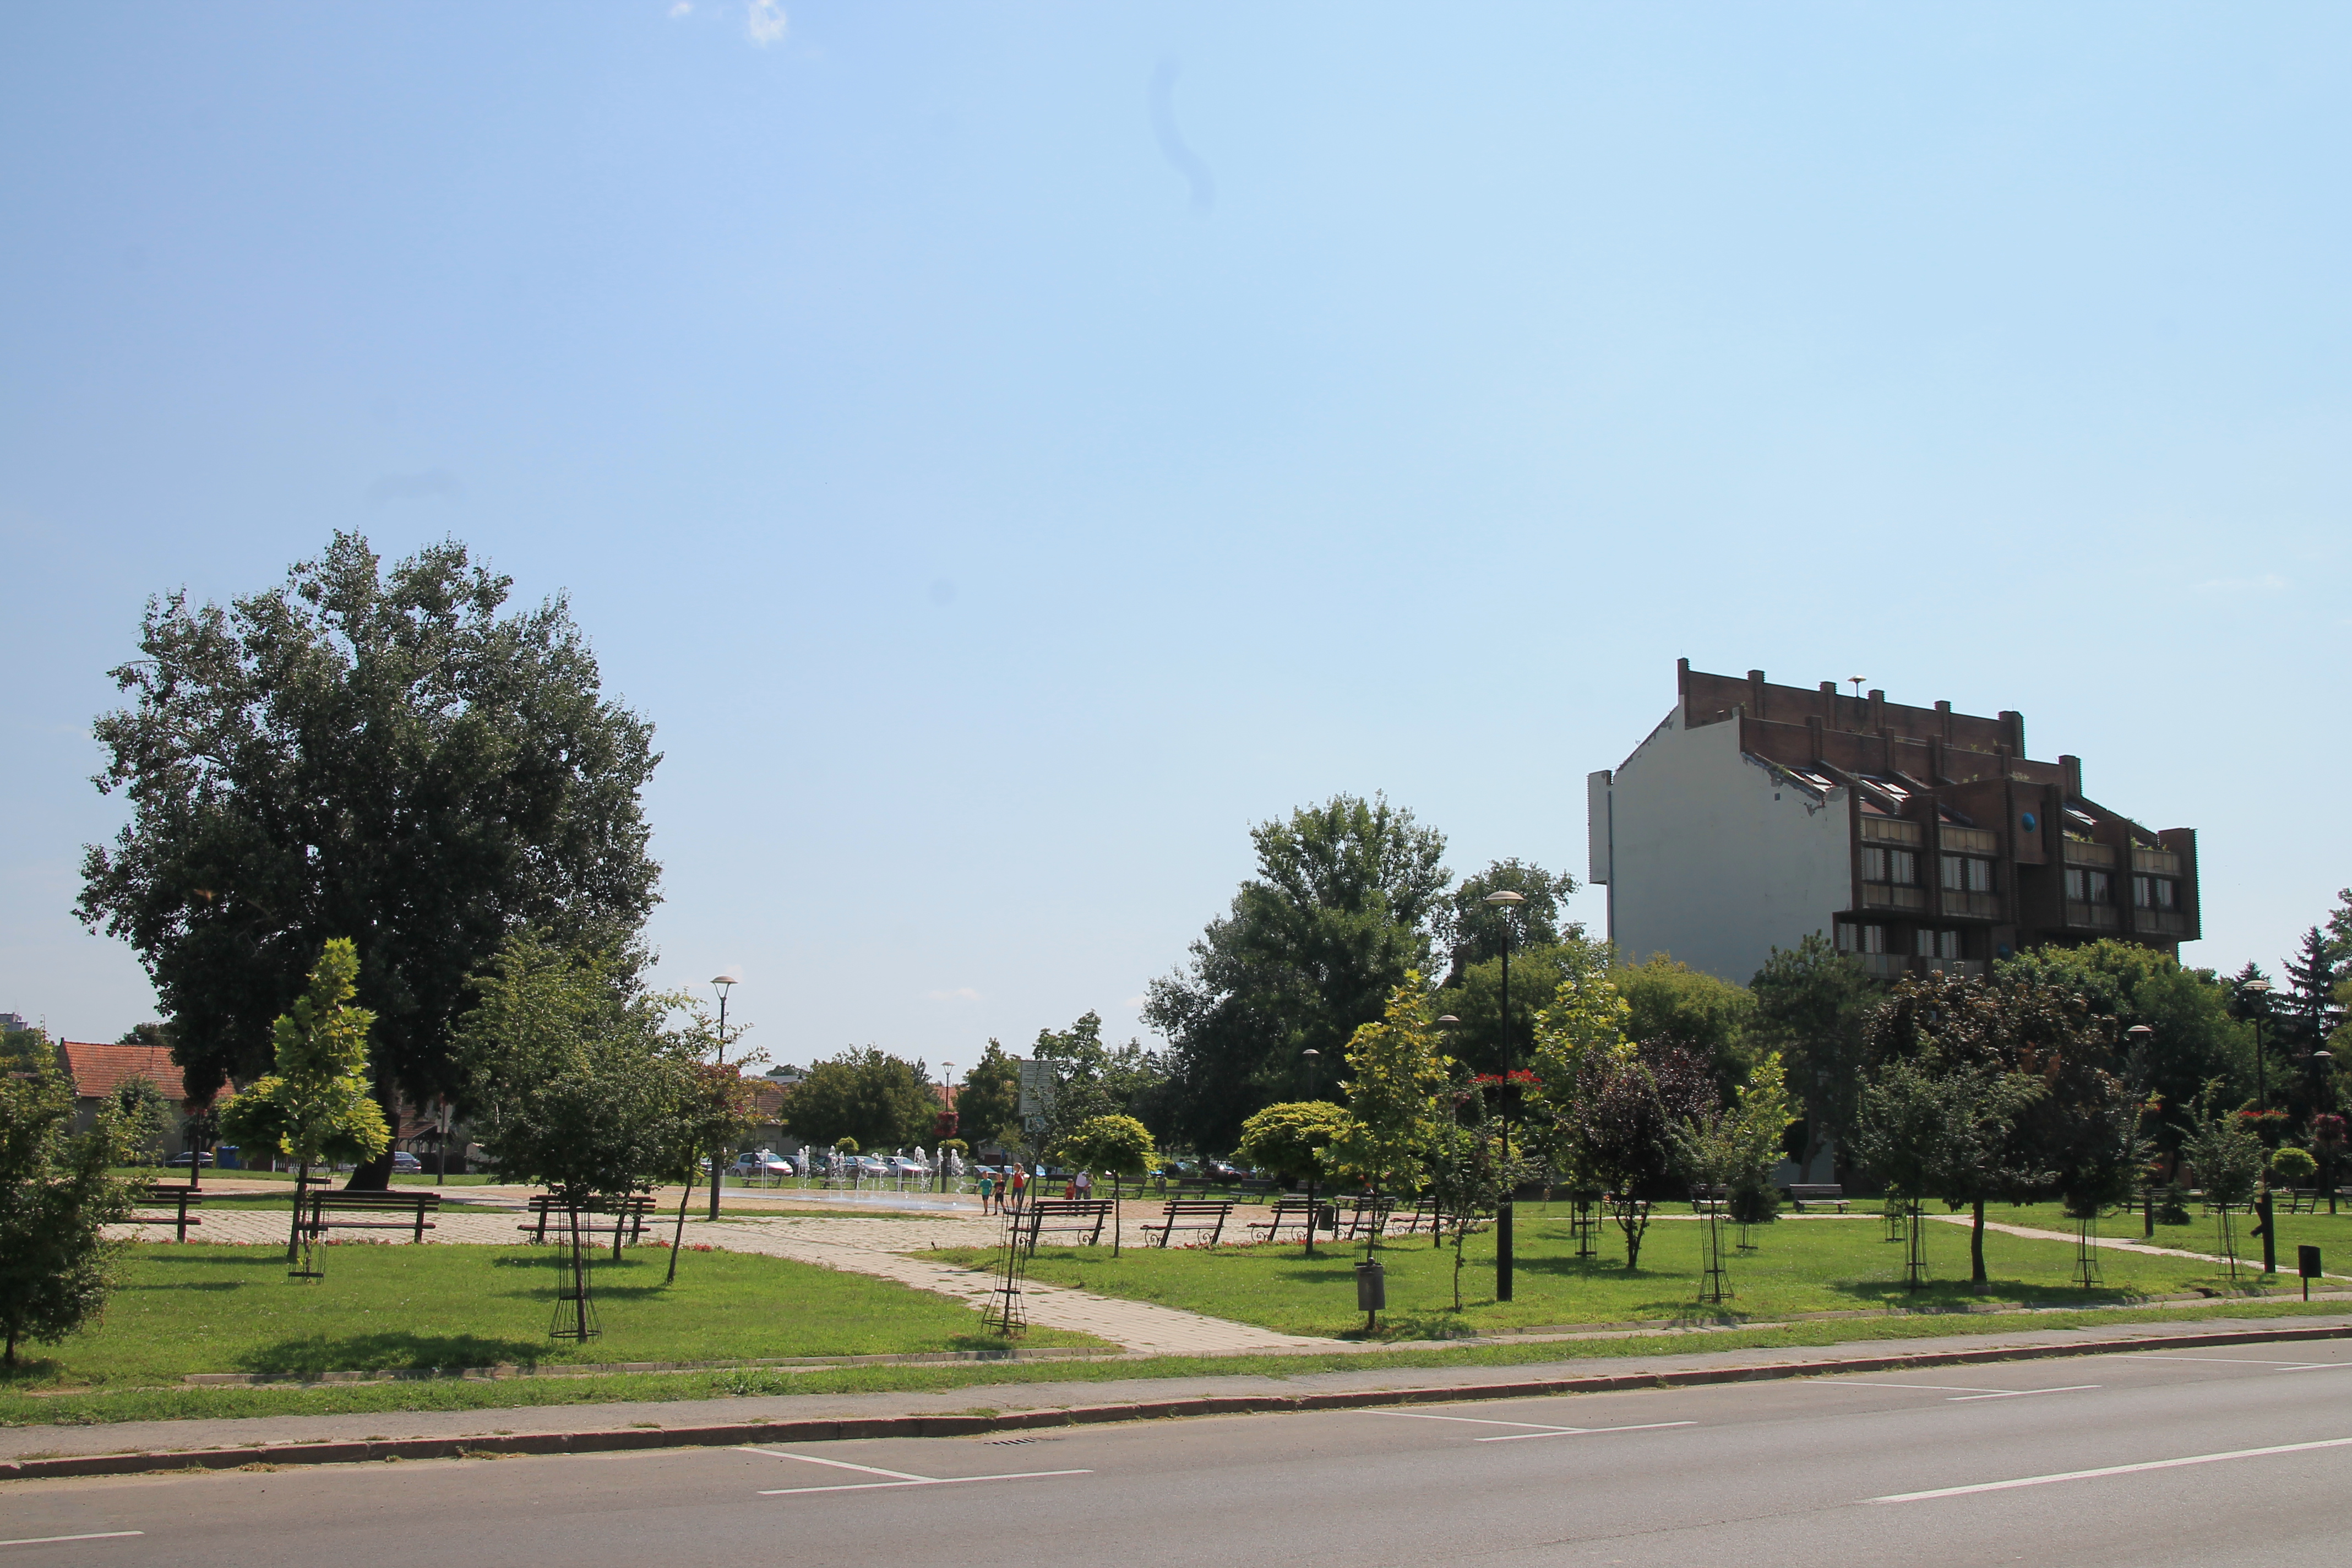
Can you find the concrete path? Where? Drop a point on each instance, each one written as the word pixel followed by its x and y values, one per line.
pixel 878 1247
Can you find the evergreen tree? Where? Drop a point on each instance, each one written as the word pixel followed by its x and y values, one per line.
pixel 56 1198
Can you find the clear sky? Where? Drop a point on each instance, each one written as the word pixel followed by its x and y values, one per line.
pixel 1008 451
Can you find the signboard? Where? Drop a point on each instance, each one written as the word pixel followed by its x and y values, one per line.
pixel 1037 1087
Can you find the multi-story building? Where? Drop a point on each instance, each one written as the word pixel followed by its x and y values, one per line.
pixel 1918 838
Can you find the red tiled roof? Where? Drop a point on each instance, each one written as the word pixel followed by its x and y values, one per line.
pixel 98 1069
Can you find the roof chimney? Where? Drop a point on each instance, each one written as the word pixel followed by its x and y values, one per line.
pixel 1756 692
pixel 2070 769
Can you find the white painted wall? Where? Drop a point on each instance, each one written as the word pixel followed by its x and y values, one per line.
pixel 1710 860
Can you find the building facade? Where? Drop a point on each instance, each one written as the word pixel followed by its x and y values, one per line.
pixel 1916 838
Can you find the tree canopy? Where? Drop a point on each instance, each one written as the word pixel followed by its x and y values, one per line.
pixel 879 1101
pixel 1342 907
pixel 387 757
pixel 1811 1001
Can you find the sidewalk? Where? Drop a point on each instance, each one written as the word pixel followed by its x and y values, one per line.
pixel 167 1445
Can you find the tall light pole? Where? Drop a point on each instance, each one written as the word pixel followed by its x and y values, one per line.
pixel 721 982
pixel 2259 990
pixel 1503 902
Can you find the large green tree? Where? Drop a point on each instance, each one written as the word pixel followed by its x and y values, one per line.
pixel 1472 930
pixel 1811 1004
pixel 1342 907
pixel 988 1103
pixel 388 757
pixel 877 1099
pixel 1672 1003
pixel 2192 1039
pixel 1092 1080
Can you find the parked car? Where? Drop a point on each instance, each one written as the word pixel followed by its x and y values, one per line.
pixel 404 1163
pixel 900 1164
pixel 182 1159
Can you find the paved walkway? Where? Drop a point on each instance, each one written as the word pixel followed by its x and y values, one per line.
pixel 870 1245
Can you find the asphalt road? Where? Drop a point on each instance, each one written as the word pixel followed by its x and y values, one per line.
pixel 2241 1453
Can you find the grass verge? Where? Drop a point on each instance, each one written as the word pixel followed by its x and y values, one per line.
pixel 82 1409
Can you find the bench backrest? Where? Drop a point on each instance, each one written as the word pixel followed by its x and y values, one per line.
pixel 364 1200
pixel 1817 1190
pixel 1178 1207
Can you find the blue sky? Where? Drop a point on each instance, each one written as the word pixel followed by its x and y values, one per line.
pixel 1008 451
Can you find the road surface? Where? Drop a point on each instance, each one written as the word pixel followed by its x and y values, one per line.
pixel 2143 1459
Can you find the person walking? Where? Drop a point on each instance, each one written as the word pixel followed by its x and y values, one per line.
pixel 987 1189
pixel 1020 1183
pixel 1083 1187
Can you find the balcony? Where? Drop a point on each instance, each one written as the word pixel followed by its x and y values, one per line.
pixel 1889 830
pixel 2093 917
pixel 1893 896
pixel 2162 862
pixel 1885 965
pixel 1969 841
pixel 2160 922
pixel 2081 854
pixel 1896 966
pixel 1975 906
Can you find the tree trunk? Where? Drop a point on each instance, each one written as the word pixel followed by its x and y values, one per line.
pixel 294 1231
pixel 1977 1275
pixel 376 1176
pixel 677 1236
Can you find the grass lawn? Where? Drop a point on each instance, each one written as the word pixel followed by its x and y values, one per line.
pixel 2332 1233
pixel 83 1409
pixel 198 1308
pixel 1800 1266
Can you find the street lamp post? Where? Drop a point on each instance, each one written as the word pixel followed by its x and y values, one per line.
pixel 1503 902
pixel 1314 1058
pixel 721 982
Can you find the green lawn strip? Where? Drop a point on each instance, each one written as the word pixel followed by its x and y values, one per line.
pixel 78 1409
pixel 1799 1267
pixel 178 1176
pixel 201 1308
pixel 2332 1233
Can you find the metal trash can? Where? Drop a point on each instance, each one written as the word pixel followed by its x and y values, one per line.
pixel 1371 1288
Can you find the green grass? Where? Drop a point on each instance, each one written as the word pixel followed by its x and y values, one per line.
pixel 198 1308
pixel 82 1409
pixel 179 1174
pixel 1800 1266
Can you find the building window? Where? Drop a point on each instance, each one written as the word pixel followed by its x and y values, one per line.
pixel 1882 865
pixel 1937 943
pixel 1966 874
pixel 2086 887
pixel 2155 893
pixel 1860 937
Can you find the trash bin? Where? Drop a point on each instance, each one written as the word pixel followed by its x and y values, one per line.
pixel 1371 1288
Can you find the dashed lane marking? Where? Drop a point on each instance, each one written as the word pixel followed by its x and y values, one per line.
pixel 2114 1470
pixel 898 1477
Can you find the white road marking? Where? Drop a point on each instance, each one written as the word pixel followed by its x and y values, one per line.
pixel 921 1481
pixel 2019 1393
pixel 897 1478
pixel 1475 1420
pixel 52 1539
pixel 2233 1360
pixel 1961 1392
pixel 2115 1470
pixel 836 1464
pixel 1583 1431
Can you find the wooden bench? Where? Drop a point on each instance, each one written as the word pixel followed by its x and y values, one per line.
pixel 1367 1216
pixel 1426 1219
pixel 1063 1216
pixel 1804 1193
pixel 628 1217
pixel 415 1206
pixel 1706 1198
pixel 1300 1213
pixel 181 1198
pixel 1193 1215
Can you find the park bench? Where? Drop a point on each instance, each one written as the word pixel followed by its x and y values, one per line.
pixel 181 1200
pixel 1064 1216
pixel 1426 1219
pixel 1252 1186
pixel 1193 1215
pixel 1706 1198
pixel 318 1205
pixel 625 1218
pixel 1804 1193
pixel 1300 1213
pixel 1367 1216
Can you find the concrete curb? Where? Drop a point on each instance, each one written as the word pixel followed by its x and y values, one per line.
pixel 621 1439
